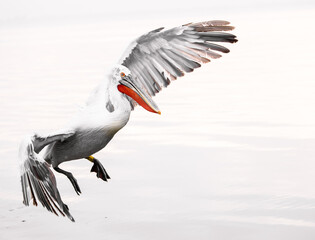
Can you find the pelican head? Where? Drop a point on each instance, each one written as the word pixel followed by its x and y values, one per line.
pixel 127 85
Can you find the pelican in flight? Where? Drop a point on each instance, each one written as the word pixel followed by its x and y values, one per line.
pixel 150 63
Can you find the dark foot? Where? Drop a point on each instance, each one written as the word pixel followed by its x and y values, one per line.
pixel 74 184
pixel 100 170
pixel 71 178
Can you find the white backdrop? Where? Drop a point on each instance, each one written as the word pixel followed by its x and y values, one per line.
pixel 231 156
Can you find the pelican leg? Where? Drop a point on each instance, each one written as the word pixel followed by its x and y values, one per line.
pixel 71 178
pixel 98 168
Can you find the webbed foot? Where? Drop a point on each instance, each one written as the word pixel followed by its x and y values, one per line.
pixel 75 184
pixel 71 178
pixel 99 170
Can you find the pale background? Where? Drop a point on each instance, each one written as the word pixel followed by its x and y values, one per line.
pixel 232 155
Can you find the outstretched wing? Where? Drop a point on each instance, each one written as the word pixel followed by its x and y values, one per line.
pixel 160 56
pixel 38 181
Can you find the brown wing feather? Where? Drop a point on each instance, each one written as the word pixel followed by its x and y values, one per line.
pixel 37 180
pixel 161 55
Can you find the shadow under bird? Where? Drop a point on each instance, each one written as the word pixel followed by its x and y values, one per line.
pixel 150 63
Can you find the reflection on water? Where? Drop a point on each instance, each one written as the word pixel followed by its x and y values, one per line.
pixel 231 156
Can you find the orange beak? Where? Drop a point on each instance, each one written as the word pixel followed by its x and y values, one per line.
pixel 128 87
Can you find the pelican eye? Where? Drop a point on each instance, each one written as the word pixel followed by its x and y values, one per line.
pixel 122 74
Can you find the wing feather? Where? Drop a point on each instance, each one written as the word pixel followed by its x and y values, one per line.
pixel 37 180
pixel 161 55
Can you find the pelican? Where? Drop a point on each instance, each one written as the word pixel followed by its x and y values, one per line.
pixel 150 63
